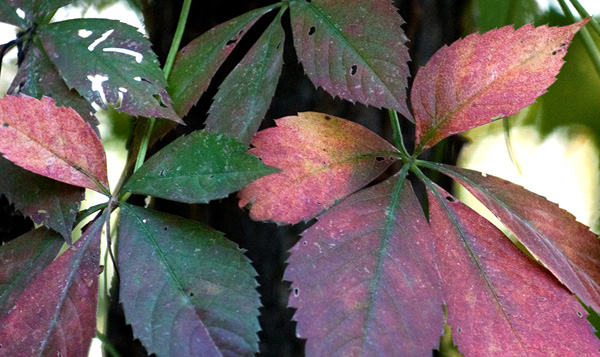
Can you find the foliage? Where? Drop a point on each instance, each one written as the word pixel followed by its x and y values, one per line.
pixel 376 274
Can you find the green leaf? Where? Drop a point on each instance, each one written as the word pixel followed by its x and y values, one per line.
pixel 56 314
pixel 33 11
pixel 21 260
pixel 245 95
pixel 364 277
pixel 38 77
pixel 109 63
pixel 197 168
pixel 46 201
pixel 185 289
pixel 198 62
pixel 353 49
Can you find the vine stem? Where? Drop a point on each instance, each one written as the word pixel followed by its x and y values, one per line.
pixel 185 11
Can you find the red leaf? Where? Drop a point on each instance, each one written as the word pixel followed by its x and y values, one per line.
pixel 322 157
pixel 22 259
pixel 354 49
pixel 566 247
pixel 52 141
pixel 498 299
pixel 486 77
pixel 56 314
pixel 364 278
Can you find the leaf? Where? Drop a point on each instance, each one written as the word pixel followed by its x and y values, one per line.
pixel 498 299
pixel 486 77
pixel 25 13
pixel 323 158
pixel 353 49
pixel 52 141
pixel 9 15
pixel 56 314
pixel 197 63
pixel 197 168
pixel 38 77
pixel 21 260
pixel 109 63
pixel 552 235
pixel 364 277
pixel 245 95
pixel 185 289
pixel 48 202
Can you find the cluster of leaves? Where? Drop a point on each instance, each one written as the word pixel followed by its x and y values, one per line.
pixel 374 273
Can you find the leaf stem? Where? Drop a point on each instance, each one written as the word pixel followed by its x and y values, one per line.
pixel 397 132
pixel 107 345
pixel 586 37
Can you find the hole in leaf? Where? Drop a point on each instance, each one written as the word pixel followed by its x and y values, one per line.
pixel 563 44
pixel 554 53
pixel 278 45
pixel 458 329
pixel 319 203
pixel 231 42
pixel 450 199
pixel 191 294
pixel 353 69
pixel 543 298
pixel 327 117
pixel 161 173
pixel 165 228
pixel 211 176
pixel 579 314
pixel 304 243
pixel 296 292
pixel 5 125
pixel 380 158
pixel 159 100
pixel 311 30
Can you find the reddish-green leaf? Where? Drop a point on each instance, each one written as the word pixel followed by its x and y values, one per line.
pixel 51 141
pixel 21 260
pixel 566 247
pixel 38 77
pixel 197 168
pixel 198 62
pixel 185 289
pixel 244 97
pixel 364 278
pixel 323 158
pixel 499 300
pixel 56 314
pixel 109 63
pixel 353 49
pixel 48 202
pixel 486 77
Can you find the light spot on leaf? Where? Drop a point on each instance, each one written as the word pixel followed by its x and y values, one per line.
pixel 137 78
pixel 20 13
pixel 97 81
pixel 83 33
pixel 138 56
pixel 100 40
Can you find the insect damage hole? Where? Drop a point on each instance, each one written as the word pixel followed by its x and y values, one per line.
pixel 380 158
pixel 311 30
pixel 296 292
pixel 450 199
pixel 353 69
pixel 5 125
